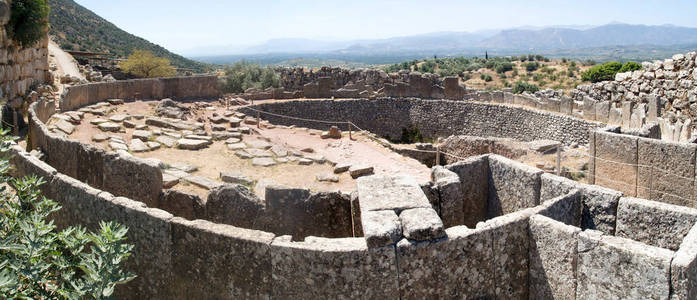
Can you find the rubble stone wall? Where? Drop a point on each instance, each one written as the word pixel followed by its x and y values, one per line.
pixel 178 88
pixel 20 68
pixel 433 118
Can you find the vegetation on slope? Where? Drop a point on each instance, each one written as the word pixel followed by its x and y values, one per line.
pixel 143 64
pixel 526 72
pixel 28 21
pixel 244 75
pixel 77 28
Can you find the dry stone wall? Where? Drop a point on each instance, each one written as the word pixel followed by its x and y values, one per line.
pixel 20 68
pixel 433 118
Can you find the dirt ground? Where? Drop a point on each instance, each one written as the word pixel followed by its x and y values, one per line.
pixel 218 158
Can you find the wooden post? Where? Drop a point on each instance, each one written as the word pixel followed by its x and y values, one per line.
pixel 258 120
pixel 349 126
pixel 559 160
pixel 437 155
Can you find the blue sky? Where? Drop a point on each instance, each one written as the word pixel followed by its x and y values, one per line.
pixel 180 25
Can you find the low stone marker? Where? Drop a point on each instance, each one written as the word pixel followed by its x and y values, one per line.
pixel 360 171
pixel 190 144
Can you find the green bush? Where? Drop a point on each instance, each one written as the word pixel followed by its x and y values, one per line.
pixel 532 66
pixel 521 87
pixel 411 135
pixel 244 75
pixel 504 67
pixel 488 78
pixel 28 21
pixel 630 66
pixel 39 262
pixel 607 71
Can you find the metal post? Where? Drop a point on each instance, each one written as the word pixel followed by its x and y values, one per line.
pixel 437 155
pixel 258 120
pixel 559 160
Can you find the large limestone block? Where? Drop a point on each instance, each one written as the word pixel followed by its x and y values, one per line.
pixel 421 224
pixel 616 268
pixel 627 108
pixel 380 228
pixel 666 171
pixel 511 243
pixel 566 209
pixel 654 223
pixel 131 177
pixel 589 108
pixel 602 111
pixel 301 270
pixel 395 193
pixel 512 186
pixel 451 196
pixel 553 258
pixel 460 266
pixel 615 162
pixel 234 205
pixel 216 261
pixel 684 268
pixel 473 173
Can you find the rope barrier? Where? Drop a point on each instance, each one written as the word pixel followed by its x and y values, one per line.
pixel 296 118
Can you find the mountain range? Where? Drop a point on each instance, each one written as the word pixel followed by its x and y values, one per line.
pixel 537 40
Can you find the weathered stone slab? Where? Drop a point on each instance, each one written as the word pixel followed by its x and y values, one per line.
pixel 421 224
pixel 566 209
pixel 109 127
pixel 380 228
pixel 357 171
pixel 473 173
pixel 615 162
pixel 190 144
pixel 134 178
pixel 181 204
pixel 450 196
pixel 203 182
pixel 206 254
pixel 460 266
pixel 512 186
pixel 666 171
pixel 65 127
pixel 616 268
pixel 142 135
pixel 394 193
pixel 235 177
pixel 684 268
pixel 300 269
pixel 654 223
pixel 263 162
pixel 138 146
pixel 599 208
pixel 167 141
pixel 553 257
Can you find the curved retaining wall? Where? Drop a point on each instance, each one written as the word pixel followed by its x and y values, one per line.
pixel 433 118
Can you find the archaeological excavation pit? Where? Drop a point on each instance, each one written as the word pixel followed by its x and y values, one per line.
pixel 483 226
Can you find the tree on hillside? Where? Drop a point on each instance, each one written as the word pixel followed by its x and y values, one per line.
pixel 144 64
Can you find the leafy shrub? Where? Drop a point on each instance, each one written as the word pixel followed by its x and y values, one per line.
pixel 143 64
pixel 504 67
pixel 602 72
pixel 244 75
pixel 28 21
pixel 532 66
pixel 38 262
pixel 630 66
pixel 521 87
pixel 488 78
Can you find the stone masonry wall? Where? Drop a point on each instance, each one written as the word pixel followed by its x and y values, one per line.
pixel 20 68
pixel 433 118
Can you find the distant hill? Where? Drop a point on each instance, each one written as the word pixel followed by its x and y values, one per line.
pixel 75 27
pixel 611 41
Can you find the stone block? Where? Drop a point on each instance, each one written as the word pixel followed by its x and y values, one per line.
pixel 589 108
pixel 654 109
pixel 380 228
pixel 654 223
pixel 460 266
pixel 301 269
pixel 553 259
pixel 182 204
pixel 449 190
pixel 566 105
pixel 421 224
pixel 473 173
pixel 216 261
pixel 134 178
pixel 234 205
pixel 395 193
pixel 616 161
pixel 616 268
pixel 684 268
pixel 566 209
pixel 666 171
pixel 602 111
pixel 615 116
pixel 599 208
pixel 627 108
pixel 513 186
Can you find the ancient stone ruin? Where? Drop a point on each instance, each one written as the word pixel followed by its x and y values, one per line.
pixel 481 226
